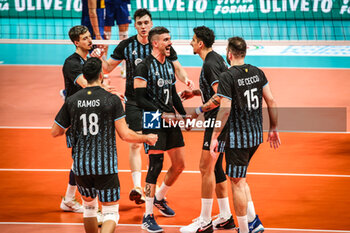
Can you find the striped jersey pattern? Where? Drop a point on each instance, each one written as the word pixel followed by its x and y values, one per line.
pixel 244 85
pixel 160 79
pixel 90 114
pixel 133 52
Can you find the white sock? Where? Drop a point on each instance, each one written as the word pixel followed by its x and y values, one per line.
pixel 243 224
pixel 251 211
pixel 162 191
pixel 136 178
pixel 123 35
pixel 224 207
pixel 70 192
pixel 149 205
pixel 207 205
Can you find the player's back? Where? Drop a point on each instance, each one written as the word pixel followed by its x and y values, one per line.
pixel 93 112
pixel 246 109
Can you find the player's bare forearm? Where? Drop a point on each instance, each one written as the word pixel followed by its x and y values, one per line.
pixel 181 75
pixel 197 92
pixel 273 116
pixel 213 103
pixel 56 130
pixel 271 106
pixel 82 81
pixel 180 72
pixel 129 135
pixel 109 65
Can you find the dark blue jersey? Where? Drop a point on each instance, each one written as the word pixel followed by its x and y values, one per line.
pixel 243 85
pixel 90 114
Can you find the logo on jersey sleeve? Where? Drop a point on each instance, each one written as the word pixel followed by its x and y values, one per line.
pixel 151 120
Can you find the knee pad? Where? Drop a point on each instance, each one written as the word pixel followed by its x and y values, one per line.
pixel 155 167
pixel 219 171
pixel 110 212
pixel 90 208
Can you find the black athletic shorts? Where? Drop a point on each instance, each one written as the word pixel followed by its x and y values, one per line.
pixel 133 116
pixel 168 138
pixel 106 187
pixel 221 139
pixel 237 161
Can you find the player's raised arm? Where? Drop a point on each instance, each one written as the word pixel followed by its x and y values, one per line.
pixel 181 74
pixel 110 64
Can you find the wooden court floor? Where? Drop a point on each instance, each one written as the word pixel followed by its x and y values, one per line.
pixel 303 186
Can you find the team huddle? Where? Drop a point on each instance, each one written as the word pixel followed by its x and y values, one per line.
pixel 93 112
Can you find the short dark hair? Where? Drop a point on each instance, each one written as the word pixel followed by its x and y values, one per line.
pixel 237 46
pixel 75 32
pixel 142 12
pixel 205 34
pixel 156 31
pixel 91 69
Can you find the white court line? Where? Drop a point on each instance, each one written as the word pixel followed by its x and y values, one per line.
pixel 27 127
pixel 188 172
pixel 281 131
pixel 138 225
pixel 24 127
pixel 222 43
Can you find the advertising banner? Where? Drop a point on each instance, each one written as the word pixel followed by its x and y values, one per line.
pixel 192 9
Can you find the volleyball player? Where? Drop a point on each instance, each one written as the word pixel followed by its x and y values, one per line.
pixel 93 17
pixel 241 90
pixel 73 82
pixel 133 50
pixel 93 115
pixel 117 11
pixel 155 91
pixel 210 167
